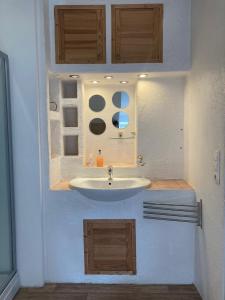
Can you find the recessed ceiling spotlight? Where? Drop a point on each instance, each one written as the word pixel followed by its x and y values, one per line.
pixel 108 77
pixel 95 81
pixel 143 75
pixel 123 81
pixel 74 76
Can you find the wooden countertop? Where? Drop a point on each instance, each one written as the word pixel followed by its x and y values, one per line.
pixel 157 185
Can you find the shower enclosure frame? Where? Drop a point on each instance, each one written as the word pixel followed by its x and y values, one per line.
pixel 8 128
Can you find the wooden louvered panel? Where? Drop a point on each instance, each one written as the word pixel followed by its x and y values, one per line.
pixel 80 34
pixel 137 33
pixel 109 246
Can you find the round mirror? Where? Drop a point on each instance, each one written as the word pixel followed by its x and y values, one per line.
pixel 97 103
pixel 120 119
pixel 120 99
pixel 97 126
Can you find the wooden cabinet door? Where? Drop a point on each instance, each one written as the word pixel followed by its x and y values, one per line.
pixel 80 34
pixel 137 33
pixel 109 247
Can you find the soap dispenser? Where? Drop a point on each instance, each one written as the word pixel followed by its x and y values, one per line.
pixel 99 159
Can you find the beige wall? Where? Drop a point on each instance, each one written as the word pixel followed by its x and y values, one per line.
pixel 204 126
pixel 160 105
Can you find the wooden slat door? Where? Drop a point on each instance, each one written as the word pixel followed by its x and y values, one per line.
pixel 109 247
pixel 80 34
pixel 137 33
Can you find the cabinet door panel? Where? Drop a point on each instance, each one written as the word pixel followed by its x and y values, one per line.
pixel 137 33
pixel 109 246
pixel 80 34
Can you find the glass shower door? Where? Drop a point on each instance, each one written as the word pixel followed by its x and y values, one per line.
pixel 7 239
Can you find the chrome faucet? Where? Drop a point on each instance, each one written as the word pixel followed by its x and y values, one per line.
pixel 140 161
pixel 110 172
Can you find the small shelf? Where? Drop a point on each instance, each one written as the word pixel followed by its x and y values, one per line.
pixel 123 138
pixel 115 166
pixel 69 102
pixel 70 131
pixel 54 115
pixel 56 157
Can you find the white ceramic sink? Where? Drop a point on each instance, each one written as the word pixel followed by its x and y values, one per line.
pixel 103 189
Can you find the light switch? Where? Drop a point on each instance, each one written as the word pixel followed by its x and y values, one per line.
pixel 217 166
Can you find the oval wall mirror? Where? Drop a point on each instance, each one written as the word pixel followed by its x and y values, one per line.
pixel 96 103
pixel 120 99
pixel 97 126
pixel 120 119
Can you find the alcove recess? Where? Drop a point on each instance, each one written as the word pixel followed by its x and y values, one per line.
pixel 118 144
pixel 64 115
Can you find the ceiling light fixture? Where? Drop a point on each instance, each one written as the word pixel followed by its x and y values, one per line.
pixel 95 81
pixel 108 77
pixel 74 76
pixel 143 75
pixel 123 81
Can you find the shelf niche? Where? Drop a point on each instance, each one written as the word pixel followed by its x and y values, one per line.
pixel 69 89
pixel 70 116
pixel 71 145
pixel 54 94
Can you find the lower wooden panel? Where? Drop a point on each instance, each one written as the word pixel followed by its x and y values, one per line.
pixel 109 292
pixel 109 247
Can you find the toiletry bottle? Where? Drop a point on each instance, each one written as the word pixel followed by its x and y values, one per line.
pixel 99 159
pixel 90 161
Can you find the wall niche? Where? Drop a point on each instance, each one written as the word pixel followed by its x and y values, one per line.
pixel 109 112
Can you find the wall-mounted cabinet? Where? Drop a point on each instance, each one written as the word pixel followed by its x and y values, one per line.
pixel 80 34
pixel 137 33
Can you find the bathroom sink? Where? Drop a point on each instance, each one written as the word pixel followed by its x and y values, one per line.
pixel 103 189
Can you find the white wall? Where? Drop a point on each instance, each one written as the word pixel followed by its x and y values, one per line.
pixel 176 38
pixel 160 106
pixel 18 40
pixel 204 125
pixel 171 255
pixel 165 251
